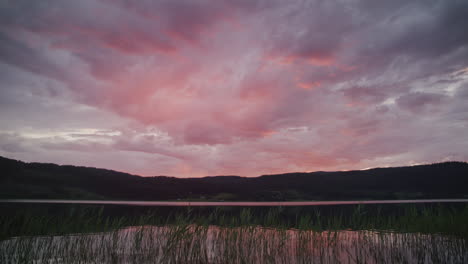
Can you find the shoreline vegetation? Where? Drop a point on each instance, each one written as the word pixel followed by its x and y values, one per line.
pixel 351 234
pixel 29 219
pixel 249 244
pixel 68 214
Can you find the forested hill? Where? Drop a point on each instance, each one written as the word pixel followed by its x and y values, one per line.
pixel 42 180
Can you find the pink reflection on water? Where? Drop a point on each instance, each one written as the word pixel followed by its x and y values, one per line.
pixel 245 244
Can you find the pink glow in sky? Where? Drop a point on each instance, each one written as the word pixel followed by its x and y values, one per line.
pixel 238 87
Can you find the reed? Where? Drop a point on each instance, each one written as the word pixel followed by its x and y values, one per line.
pixel 428 235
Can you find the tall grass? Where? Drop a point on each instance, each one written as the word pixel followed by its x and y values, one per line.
pixel 427 235
pixel 213 244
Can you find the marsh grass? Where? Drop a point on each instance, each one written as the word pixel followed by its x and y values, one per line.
pixel 415 235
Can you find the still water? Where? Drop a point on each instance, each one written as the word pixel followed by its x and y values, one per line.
pixel 414 238
pixel 251 244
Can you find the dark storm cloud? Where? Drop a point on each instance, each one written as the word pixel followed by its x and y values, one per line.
pixel 427 32
pixel 441 31
pixel 21 55
pixel 311 32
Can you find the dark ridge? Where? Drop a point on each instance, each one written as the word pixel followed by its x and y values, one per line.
pixel 51 181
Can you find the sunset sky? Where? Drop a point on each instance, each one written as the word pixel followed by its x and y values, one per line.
pixel 239 87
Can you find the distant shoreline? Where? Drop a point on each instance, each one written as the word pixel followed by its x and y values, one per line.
pixel 20 180
pixel 200 203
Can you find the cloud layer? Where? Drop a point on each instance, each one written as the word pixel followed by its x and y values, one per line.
pixel 193 88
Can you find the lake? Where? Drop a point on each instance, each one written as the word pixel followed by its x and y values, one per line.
pixel 83 231
pixel 213 244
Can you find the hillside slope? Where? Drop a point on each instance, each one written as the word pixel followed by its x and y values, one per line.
pixel 42 180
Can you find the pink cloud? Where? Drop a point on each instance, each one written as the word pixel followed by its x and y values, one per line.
pixel 234 87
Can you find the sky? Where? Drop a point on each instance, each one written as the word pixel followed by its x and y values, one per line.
pixel 193 88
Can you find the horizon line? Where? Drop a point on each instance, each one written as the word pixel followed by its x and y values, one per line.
pixel 207 176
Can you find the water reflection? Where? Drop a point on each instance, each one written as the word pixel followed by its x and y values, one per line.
pixel 247 244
